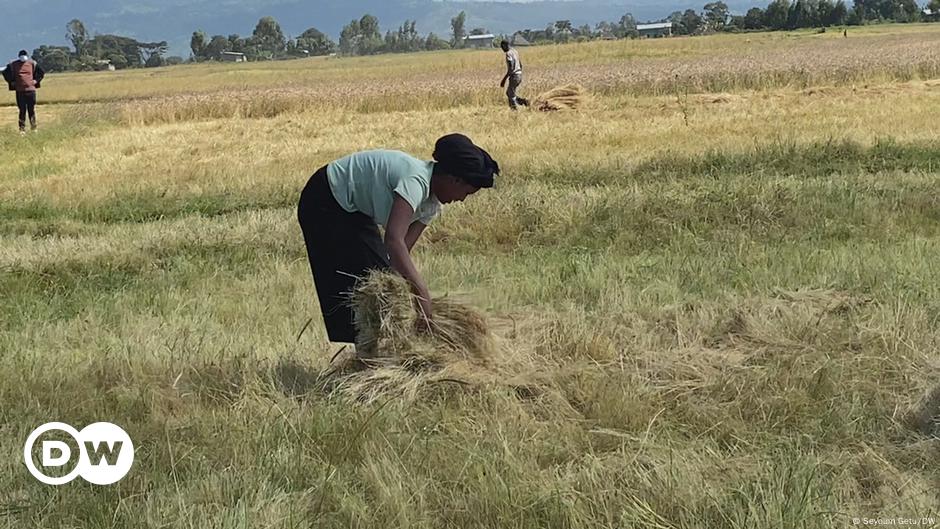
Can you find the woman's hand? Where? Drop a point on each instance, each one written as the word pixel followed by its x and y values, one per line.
pixel 425 314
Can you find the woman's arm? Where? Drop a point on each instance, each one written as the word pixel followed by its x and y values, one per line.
pixel 397 233
pixel 414 233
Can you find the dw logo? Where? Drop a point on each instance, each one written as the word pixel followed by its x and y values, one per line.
pixel 105 453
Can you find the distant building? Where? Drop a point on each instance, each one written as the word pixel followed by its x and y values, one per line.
pixel 519 40
pixel 660 29
pixel 479 41
pixel 233 56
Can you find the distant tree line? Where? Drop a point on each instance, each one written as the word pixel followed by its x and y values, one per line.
pixel 788 15
pixel 359 37
pixel 778 15
pixel 98 51
pixel 267 42
pixel 364 37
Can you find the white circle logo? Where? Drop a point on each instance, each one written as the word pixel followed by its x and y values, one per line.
pixel 105 453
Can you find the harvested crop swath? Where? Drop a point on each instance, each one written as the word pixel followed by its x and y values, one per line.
pixel 568 97
pixel 395 357
pixel 388 326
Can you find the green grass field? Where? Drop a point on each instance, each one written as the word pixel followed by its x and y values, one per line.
pixel 724 268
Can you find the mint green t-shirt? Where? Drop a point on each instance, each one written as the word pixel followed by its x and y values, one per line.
pixel 368 181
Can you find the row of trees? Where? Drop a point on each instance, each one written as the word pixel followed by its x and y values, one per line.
pixel 361 36
pixel 266 42
pixel 562 31
pixel 787 14
pixel 778 15
pixel 93 52
pixel 364 37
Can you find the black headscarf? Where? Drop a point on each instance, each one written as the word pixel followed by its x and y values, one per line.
pixel 456 155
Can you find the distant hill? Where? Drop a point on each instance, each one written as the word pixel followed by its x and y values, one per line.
pixel 175 20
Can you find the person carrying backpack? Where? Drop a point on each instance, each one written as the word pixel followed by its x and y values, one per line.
pixel 24 76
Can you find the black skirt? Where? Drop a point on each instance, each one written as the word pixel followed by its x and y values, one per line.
pixel 342 247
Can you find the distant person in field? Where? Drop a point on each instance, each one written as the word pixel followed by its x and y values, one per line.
pixel 513 75
pixel 345 202
pixel 24 76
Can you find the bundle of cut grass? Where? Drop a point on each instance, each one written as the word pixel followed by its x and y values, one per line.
pixel 393 358
pixel 388 327
pixel 567 97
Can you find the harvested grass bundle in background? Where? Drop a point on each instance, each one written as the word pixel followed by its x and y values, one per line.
pixel 387 325
pixel 567 97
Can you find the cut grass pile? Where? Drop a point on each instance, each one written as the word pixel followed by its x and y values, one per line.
pixel 567 97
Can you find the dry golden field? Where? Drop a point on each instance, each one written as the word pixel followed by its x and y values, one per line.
pixel 715 290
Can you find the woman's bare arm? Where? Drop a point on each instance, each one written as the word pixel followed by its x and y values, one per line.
pixel 414 233
pixel 399 251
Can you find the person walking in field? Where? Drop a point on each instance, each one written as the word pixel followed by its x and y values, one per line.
pixel 344 202
pixel 513 75
pixel 24 76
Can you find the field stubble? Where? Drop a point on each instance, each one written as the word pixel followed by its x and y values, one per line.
pixel 796 63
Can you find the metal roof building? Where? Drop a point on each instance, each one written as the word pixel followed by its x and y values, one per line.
pixel 659 29
pixel 479 41
pixel 233 56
